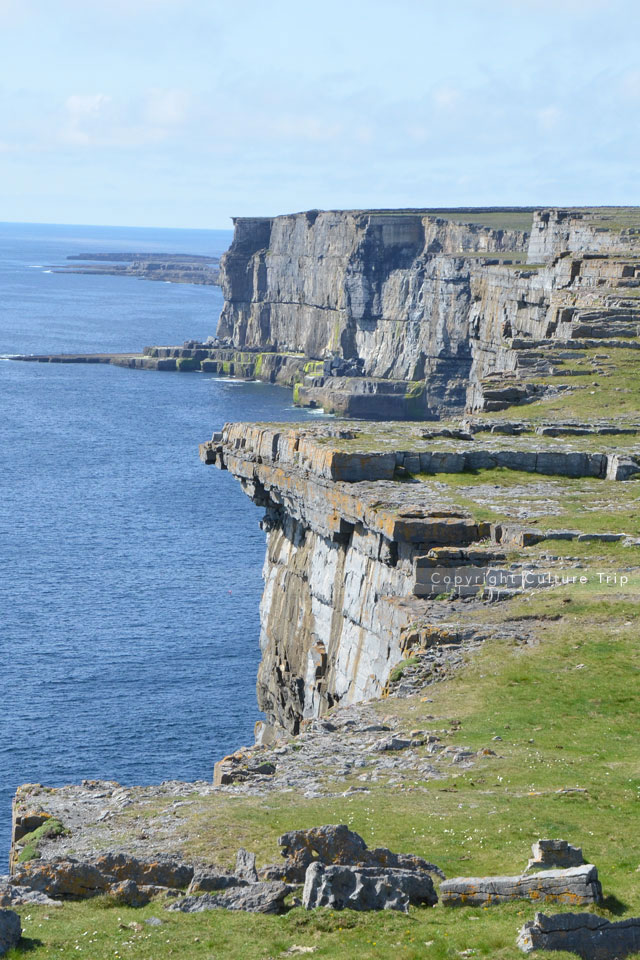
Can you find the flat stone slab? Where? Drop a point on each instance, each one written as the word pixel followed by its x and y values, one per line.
pixel 591 937
pixel 577 885
pixel 366 888
pixel 266 896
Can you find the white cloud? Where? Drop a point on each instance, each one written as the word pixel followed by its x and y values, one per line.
pixel 445 98
pixel 549 118
pixel 99 120
pixel 167 108
pixel 83 114
pixel 86 105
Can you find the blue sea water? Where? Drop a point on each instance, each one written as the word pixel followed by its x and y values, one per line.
pixel 129 572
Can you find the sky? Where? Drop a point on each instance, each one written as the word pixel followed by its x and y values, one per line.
pixel 184 113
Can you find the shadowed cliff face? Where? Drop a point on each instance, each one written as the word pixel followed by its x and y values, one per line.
pixel 394 290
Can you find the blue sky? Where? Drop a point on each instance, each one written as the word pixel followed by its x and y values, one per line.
pixel 186 112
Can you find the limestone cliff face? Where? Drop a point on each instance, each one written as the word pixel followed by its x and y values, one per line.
pixel 575 231
pixel 342 540
pixel 356 559
pixel 429 307
pixel 392 289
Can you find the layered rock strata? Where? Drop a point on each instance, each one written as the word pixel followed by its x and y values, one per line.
pixel 576 885
pixel 416 314
pixel 415 301
pixel 355 556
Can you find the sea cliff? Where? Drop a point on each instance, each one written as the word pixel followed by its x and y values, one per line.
pixel 363 539
pixel 417 314
pixel 449 625
pixel 410 312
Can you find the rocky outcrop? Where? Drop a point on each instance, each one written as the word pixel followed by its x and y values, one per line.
pixel 581 231
pixel 392 289
pixel 328 280
pixel 72 879
pixel 590 936
pixel 339 566
pixel 169 267
pixel 338 845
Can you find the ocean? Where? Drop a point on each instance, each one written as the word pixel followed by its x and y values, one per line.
pixel 130 573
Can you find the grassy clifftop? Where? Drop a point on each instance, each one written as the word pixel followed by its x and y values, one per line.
pixel 562 697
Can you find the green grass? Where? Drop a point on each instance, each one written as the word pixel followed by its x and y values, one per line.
pixel 31 841
pixel 615 395
pixel 495 219
pixel 567 710
pixel 399 671
pixel 615 218
pixel 187 364
pixel 585 504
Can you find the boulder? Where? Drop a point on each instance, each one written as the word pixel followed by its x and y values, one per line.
pixel 67 879
pixel 328 844
pixel 577 885
pixel 238 767
pixel 366 888
pixel 10 930
pixel 208 880
pixel 554 855
pixel 335 843
pixel 128 894
pixel 591 937
pixel 11 896
pixel 620 467
pixel 262 897
pixel 161 871
pixel 273 871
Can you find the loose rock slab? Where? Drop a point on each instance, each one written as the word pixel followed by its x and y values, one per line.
pixel 208 880
pixel 262 897
pixel 554 855
pixel 11 896
pixel 592 937
pixel 10 930
pixel 578 886
pixel 366 888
